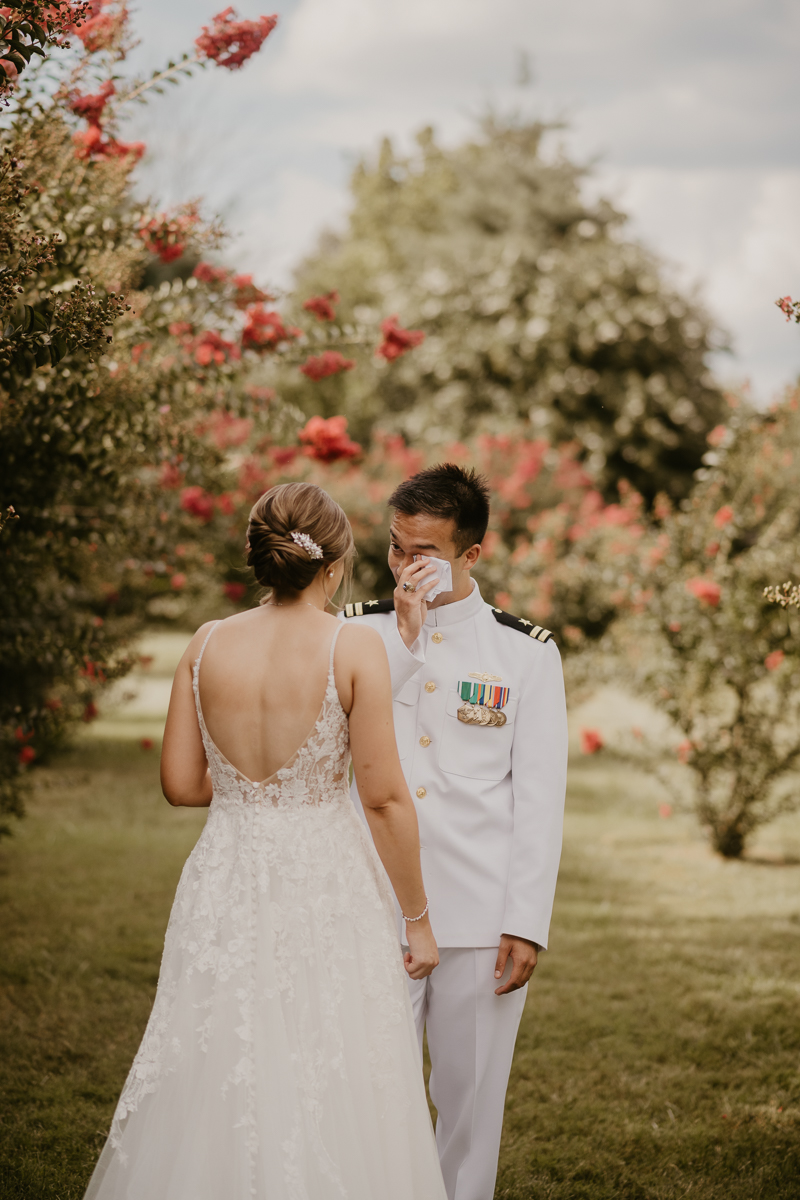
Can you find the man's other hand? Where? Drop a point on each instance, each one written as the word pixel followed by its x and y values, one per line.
pixel 524 956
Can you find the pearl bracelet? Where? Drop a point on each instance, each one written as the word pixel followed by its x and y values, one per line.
pixel 421 915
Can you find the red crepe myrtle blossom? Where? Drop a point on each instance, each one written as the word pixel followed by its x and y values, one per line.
pixel 774 660
pixel 91 106
pixel 705 590
pixel 322 306
pixel 790 307
pixel 396 340
pixel 327 440
pixel 246 292
pixel 208 274
pixel 229 43
pixel 665 811
pixel 146 743
pixel 91 712
pixel 591 741
pixel 211 347
pixel 166 235
pixel 234 591
pixel 723 516
pixel 178 581
pixel 26 756
pixel 198 503
pixel 100 30
pixel 89 143
pixel 264 329
pixel 717 435
pixel 54 704
pixel 330 362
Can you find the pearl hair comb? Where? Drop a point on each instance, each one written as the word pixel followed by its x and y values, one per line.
pixel 309 545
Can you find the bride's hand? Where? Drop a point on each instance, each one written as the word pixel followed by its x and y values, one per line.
pixel 422 955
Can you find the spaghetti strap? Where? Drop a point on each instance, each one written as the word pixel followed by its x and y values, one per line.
pixel 203 647
pixel 339 626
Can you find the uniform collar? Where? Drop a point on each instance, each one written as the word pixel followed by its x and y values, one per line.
pixel 459 610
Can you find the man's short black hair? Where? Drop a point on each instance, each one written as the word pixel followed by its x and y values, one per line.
pixel 451 492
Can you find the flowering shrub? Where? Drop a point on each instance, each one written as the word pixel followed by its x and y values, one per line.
pixel 547 553
pixel 535 304
pixel 119 463
pixel 708 648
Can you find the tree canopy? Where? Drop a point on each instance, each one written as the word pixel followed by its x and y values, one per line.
pixel 536 303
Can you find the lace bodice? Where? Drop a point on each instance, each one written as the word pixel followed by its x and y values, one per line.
pixel 317 772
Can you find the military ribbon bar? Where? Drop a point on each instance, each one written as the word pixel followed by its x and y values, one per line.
pixel 487 694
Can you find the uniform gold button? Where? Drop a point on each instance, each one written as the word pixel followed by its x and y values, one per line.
pixel 425 740
pixel 421 793
pixel 436 637
pixel 430 686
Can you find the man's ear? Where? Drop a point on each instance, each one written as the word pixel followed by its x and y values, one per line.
pixel 471 557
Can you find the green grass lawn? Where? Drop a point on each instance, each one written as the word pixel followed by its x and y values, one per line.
pixel 659 1054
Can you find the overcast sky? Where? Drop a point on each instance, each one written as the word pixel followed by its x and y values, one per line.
pixel 688 109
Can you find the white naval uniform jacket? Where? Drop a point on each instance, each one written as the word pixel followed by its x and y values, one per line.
pixel 490 800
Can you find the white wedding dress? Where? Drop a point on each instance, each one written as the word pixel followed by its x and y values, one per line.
pixel 280 1059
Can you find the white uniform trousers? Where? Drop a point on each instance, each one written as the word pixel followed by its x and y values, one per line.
pixel 471 1035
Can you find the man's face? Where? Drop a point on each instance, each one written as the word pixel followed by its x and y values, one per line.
pixel 434 536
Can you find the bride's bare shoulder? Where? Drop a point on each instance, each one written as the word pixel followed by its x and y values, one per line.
pixel 361 645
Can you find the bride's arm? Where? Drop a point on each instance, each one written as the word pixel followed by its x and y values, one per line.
pixel 185 780
pixel 388 807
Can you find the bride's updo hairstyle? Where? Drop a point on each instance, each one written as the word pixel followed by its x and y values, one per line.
pixel 287 565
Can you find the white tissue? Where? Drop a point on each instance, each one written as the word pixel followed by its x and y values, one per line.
pixel 444 577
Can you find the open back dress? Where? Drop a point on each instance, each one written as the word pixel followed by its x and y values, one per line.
pixel 280 1060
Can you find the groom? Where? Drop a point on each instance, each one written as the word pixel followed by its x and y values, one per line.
pixel 480 722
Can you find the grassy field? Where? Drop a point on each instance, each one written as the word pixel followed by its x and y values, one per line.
pixel 659 1055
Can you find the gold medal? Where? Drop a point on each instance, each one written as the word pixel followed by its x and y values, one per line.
pixel 479 714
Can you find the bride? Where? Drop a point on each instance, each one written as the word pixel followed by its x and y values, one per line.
pixel 280 1059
